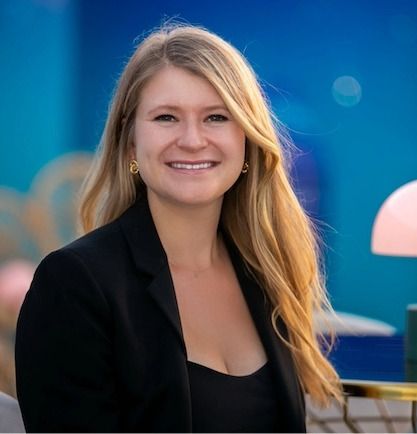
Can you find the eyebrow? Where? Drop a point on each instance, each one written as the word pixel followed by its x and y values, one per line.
pixel 178 108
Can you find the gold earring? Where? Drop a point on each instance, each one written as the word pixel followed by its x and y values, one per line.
pixel 245 167
pixel 133 167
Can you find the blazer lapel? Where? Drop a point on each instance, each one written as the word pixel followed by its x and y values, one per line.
pixel 162 291
pixel 150 258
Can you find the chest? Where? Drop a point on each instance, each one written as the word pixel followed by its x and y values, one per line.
pixel 219 331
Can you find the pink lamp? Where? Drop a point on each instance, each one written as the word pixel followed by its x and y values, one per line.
pixel 395 234
pixel 395 227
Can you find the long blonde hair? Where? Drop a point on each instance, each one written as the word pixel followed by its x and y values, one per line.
pixel 260 212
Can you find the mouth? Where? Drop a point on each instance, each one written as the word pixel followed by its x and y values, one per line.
pixel 195 165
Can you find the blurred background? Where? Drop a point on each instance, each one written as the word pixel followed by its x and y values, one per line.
pixel 341 75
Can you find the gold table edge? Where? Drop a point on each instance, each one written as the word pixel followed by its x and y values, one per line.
pixel 380 389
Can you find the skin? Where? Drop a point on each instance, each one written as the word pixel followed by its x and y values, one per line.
pixel 190 151
pixel 191 133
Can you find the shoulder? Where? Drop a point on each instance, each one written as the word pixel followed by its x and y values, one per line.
pixel 111 258
pixel 104 239
pixel 104 245
pixel 64 289
pixel 110 243
pixel 82 264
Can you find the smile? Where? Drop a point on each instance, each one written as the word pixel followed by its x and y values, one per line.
pixel 192 166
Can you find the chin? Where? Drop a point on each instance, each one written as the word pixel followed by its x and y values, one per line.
pixel 188 195
pixel 192 200
pixel 198 202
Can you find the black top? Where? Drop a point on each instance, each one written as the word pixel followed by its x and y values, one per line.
pixel 229 403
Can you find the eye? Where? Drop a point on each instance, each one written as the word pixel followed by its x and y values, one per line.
pixel 217 118
pixel 165 118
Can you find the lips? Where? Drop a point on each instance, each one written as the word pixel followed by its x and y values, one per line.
pixel 200 165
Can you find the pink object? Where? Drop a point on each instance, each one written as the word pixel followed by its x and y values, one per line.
pixel 395 228
pixel 15 278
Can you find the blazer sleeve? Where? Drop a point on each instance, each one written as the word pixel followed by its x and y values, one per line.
pixel 64 375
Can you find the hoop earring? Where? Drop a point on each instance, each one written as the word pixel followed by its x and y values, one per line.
pixel 133 167
pixel 245 167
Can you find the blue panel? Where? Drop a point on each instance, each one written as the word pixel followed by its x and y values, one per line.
pixel 36 86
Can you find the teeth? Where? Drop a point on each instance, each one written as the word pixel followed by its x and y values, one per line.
pixel 191 166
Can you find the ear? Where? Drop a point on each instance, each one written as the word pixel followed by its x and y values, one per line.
pixel 132 151
pixel 131 146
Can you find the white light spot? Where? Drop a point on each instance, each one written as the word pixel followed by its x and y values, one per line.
pixel 347 91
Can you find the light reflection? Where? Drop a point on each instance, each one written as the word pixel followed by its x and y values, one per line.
pixel 347 91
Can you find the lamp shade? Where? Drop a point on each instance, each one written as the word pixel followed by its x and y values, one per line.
pixel 394 232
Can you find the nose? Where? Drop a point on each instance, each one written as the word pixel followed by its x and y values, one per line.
pixel 192 138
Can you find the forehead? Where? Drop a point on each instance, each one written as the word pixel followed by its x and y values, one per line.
pixel 177 86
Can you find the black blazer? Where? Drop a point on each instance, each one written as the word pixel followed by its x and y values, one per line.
pixel 99 345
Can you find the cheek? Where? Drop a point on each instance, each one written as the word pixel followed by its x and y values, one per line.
pixel 235 154
pixel 238 146
pixel 150 142
pixel 145 147
pixel 239 138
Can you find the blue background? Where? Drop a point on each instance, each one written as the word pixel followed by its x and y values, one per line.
pixel 60 60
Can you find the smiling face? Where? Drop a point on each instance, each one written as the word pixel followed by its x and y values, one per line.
pixel 189 148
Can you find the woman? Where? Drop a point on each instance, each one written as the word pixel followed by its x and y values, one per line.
pixel 188 304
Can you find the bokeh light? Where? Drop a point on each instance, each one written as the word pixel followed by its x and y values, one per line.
pixel 347 91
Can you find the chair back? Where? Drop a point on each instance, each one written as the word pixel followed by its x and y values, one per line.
pixel 10 416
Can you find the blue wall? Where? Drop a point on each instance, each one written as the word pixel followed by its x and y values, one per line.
pixel 38 49
pixel 357 138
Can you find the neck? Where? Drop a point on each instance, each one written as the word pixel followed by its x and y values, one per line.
pixel 188 234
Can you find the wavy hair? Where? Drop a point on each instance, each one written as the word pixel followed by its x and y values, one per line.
pixel 260 212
